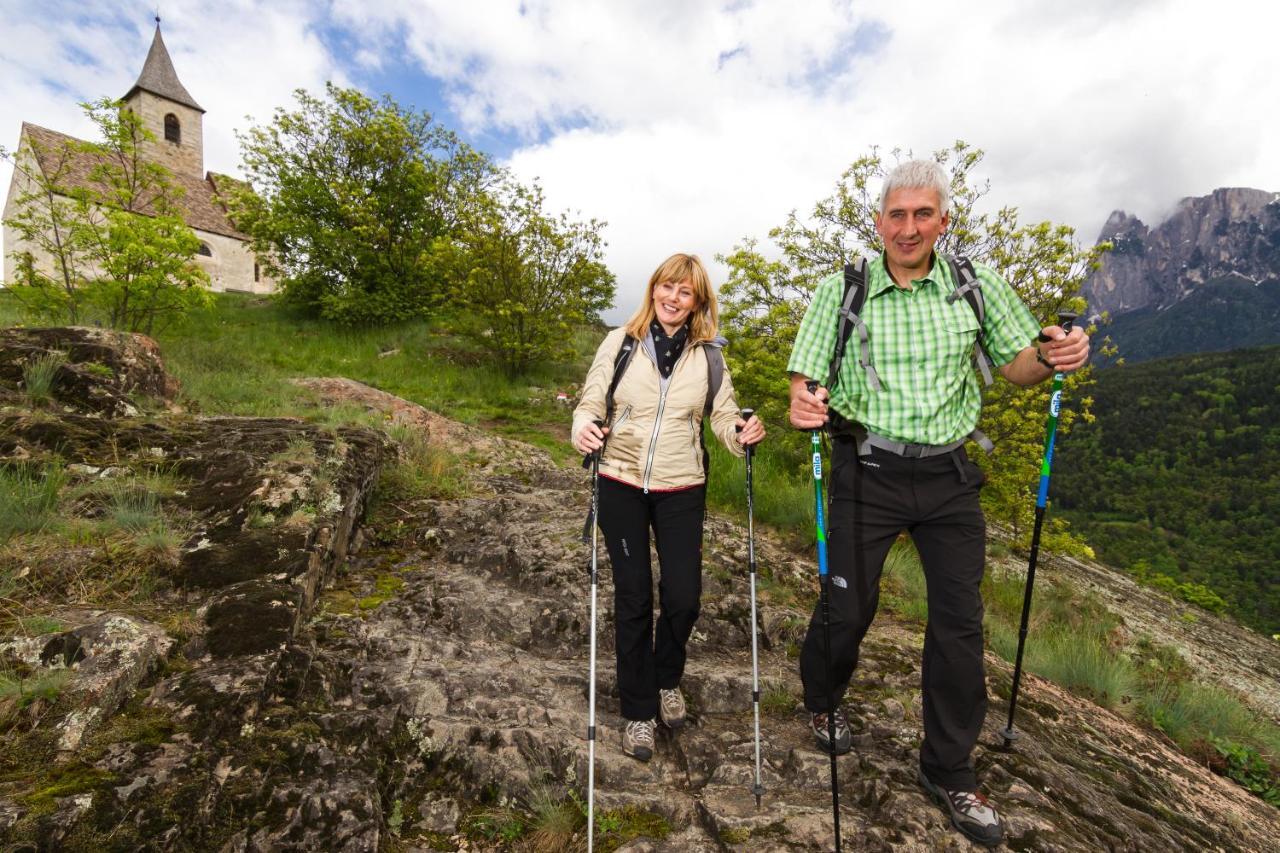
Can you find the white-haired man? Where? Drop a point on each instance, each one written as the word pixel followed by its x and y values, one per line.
pixel 900 413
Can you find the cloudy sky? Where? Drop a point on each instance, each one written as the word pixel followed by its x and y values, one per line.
pixel 689 125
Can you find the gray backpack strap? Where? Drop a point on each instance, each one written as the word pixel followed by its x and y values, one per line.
pixel 980 438
pixel 848 319
pixel 969 286
pixel 715 376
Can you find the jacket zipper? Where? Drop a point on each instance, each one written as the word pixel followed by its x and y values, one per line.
pixel 653 439
pixel 657 423
pixel 626 413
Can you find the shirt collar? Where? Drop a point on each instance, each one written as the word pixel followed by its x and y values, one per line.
pixel 884 282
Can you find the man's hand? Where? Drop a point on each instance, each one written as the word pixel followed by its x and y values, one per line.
pixel 1064 352
pixel 808 411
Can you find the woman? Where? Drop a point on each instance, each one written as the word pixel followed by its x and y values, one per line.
pixel 651 476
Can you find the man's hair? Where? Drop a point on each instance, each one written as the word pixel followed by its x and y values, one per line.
pixel 917 174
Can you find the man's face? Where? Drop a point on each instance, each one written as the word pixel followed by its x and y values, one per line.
pixel 910 224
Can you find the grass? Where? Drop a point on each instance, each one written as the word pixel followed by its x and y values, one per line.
pixel 38 377
pixel 1076 642
pixel 783 490
pixel 238 357
pixel 29 497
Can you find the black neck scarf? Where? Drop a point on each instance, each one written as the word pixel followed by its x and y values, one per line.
pixel 668 347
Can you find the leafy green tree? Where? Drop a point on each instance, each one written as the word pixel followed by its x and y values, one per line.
pixel 766 297
pixel 530 276
pixel 352 198
pixel 117 241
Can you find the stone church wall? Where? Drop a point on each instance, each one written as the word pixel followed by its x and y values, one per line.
pixel 185 157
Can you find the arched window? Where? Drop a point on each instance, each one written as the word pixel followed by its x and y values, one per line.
pixel 172 130
pixel 205 250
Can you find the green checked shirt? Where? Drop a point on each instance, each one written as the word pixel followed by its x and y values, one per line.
pixel 921 347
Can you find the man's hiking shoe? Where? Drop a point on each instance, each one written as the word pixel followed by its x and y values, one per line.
pixel 970 813
pixel 844 739
pixel 671 707
pixel 637 739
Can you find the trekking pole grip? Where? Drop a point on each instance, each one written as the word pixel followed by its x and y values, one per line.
pixel 600 426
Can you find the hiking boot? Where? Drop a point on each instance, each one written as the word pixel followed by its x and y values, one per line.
pixel 671 707
pixel 637 739
pixel 844 738
pixel 970 812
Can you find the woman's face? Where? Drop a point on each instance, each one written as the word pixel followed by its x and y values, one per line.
pixel 672 303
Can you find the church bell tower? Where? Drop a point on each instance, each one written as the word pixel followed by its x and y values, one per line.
pixel 169 112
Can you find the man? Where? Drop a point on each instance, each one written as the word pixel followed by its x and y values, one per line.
pixel 899 417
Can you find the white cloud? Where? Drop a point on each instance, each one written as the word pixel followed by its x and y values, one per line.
pixel 688 125
pixel 696 123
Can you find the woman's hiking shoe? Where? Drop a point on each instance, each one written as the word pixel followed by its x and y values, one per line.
pixel 844 739
pixel 637 739
pixel 970 812
pixel 671 707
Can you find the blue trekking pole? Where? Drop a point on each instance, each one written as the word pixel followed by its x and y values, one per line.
pixel 824 587
pixel 1065 319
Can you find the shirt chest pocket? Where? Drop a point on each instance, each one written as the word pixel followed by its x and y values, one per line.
pixel 959 332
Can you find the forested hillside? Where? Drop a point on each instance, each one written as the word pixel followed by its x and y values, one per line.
pixel 1178 478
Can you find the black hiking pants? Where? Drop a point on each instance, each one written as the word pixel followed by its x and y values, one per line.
pixel 649 659
pixel 935 499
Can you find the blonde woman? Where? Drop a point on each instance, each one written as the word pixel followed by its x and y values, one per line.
pixel 652 478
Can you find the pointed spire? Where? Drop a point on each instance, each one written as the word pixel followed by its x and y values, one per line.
pixel 158 76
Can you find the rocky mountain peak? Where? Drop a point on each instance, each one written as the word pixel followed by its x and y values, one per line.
pixel 1232 230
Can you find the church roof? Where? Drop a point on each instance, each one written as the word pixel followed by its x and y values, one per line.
pixel 159 78
pixel 202 202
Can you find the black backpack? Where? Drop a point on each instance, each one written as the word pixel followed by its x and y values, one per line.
pixel 968 286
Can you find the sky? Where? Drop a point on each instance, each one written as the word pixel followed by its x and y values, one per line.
pixel 689 126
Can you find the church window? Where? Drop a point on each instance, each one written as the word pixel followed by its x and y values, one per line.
pixel 255 272
pixel 172 130
pixel 205 250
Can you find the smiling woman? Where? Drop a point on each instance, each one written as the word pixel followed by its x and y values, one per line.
pixel 656 373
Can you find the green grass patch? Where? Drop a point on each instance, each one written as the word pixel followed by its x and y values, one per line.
pixel 38 377
pixel 238 357
pixel 29 497
pixel 783 490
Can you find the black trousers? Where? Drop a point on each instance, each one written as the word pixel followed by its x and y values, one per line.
pixel 873 499
pixel 649 659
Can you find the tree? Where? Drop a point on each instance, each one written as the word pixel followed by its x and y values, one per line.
pixel 351 198
pixel 530 276
pixel 765 299
pixel 109 222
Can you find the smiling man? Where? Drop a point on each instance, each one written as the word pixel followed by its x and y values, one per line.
pixel 900 413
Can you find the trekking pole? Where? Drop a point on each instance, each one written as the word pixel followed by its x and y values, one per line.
pixel 591 689
pixel 824 597
pixel 1065 319
pixel 758 790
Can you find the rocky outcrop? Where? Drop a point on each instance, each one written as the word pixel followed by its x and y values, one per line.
pixel 434 684
pixel 1230 231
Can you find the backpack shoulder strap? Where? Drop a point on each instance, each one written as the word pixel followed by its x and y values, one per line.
pixel 849 319
pixel 715 377
pixel 620 362
pixel 969 286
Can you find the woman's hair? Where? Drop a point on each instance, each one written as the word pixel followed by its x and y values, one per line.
pixel 703 319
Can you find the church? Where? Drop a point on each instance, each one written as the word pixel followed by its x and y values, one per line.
pixel 176 122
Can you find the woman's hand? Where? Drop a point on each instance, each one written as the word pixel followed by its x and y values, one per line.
pixel 591 438
pixel 750 431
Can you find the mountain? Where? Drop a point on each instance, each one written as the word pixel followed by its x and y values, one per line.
pixel 1177 475
pixel 1225 313
pixel 1233 231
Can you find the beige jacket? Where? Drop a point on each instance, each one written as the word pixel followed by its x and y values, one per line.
pixel 654 440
